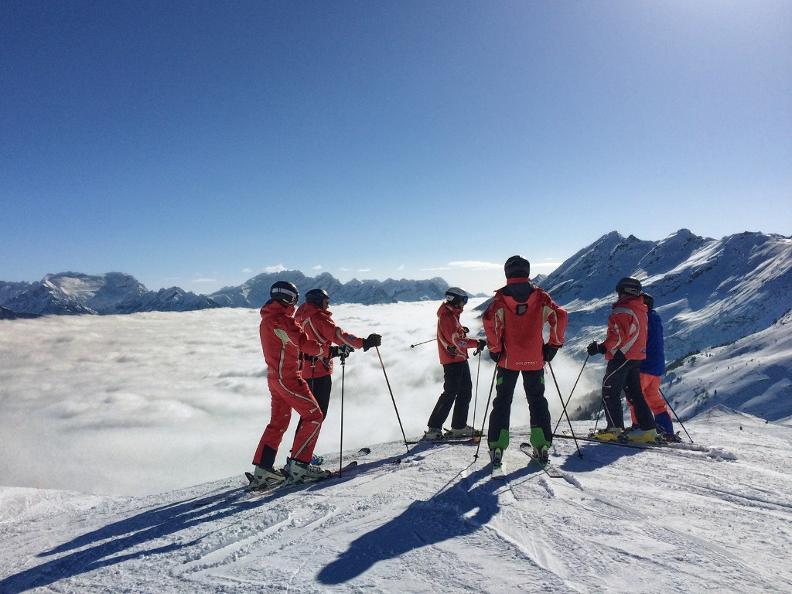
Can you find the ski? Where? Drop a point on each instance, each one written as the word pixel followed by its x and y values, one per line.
pixel 497 473
pixel 452 440
pixel 290 485
pixel 655 445
pixel 551 471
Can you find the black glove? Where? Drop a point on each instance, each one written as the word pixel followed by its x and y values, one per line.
pixel 495 356
pixel 482 344
pixel 373 340
pixel 595 348
pixel 549 351
pixel 451 350
pixel 341 351
pixel 465 329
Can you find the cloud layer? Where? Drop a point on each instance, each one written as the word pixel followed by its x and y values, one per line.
pixel 155 401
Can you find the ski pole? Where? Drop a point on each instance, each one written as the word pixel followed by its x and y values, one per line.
pixel 561 398
pixel 412 346
pixel 341 445
pixel 486 409
pixel 676 415
pixel 573 389
pixel 475 400
pixel 396 408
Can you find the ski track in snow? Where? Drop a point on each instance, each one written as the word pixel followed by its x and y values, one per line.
pixel 619 520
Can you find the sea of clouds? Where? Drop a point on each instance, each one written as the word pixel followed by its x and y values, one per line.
pixel 144 403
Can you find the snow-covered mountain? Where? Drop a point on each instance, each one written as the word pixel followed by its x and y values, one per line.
pixel 7 314
pixel 254 292
pixel 117 293
pixel 753 374
pixel 620 520
pixel 111 293
pixel 708 291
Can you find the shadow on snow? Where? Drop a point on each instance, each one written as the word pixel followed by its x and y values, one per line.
pixel 105 545
pixel 456 510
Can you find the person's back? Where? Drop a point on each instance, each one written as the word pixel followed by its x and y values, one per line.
pixel 517 317
pixel 513 323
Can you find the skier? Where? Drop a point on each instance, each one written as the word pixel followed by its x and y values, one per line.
pixel 514 322
pixel 652 369
pixel 453 345
pixel 317 322
pixel 625 348
pixel 282 340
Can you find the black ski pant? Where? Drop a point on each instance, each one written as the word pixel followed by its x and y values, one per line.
pixel 533 382
pixel 457 390
pixel 624 375
pixel 320 388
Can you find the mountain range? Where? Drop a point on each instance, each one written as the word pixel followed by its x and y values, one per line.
pixel 118 293
pixel 707 291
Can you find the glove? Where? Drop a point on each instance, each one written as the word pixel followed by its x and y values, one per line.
pixel 549 351
pixel 482 344
pixel 495 356
pixel 373 340
pixel 451 350
pixel 595 348
pixel 341 351
pixel 465 329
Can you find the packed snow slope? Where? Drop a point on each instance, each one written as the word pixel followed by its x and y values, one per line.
pixel 620 520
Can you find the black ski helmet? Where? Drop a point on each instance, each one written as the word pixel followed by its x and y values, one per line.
pixel 284 291
pixel 456 297
pixel 648 300
pixel 517 267
pixel 629 285
pixel 317 297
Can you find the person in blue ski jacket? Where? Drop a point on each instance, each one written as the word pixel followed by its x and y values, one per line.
pixel 652 370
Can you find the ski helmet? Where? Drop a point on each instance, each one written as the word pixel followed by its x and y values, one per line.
pixel 629 285
pixel 317 297
pixel 648 300
pixel 517 267
pixel 284 291
pixel 455 296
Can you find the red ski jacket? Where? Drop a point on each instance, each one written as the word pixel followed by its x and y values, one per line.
pixel 627 329
pixel 318 324
pixel 282 340
pixel 514 322
pixel 451 333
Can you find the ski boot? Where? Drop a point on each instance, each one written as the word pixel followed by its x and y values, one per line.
pixel 466 431
pixel 317 460
pixel 639 436
pixel 496 457
pixel 607 434
pixel 303 472
pixel 540 446
pixel 432 434
pixel 542 454
pixel 669 437
pixel 264 479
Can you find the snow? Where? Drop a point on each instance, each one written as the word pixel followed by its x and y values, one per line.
pixel 753 374
pixel 621 520
pixel 116 433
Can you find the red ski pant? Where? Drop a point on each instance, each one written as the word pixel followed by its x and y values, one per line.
pixel 291 394
pixel 650 386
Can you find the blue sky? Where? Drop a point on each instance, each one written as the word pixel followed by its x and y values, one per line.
pixel 199 143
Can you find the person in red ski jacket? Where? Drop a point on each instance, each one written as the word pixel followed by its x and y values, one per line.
pixel 452 347
pixel 282 340
pixel 316 321
pixel 624 349
pixel 514 323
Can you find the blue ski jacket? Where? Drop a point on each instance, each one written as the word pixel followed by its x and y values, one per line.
pixel 654 364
